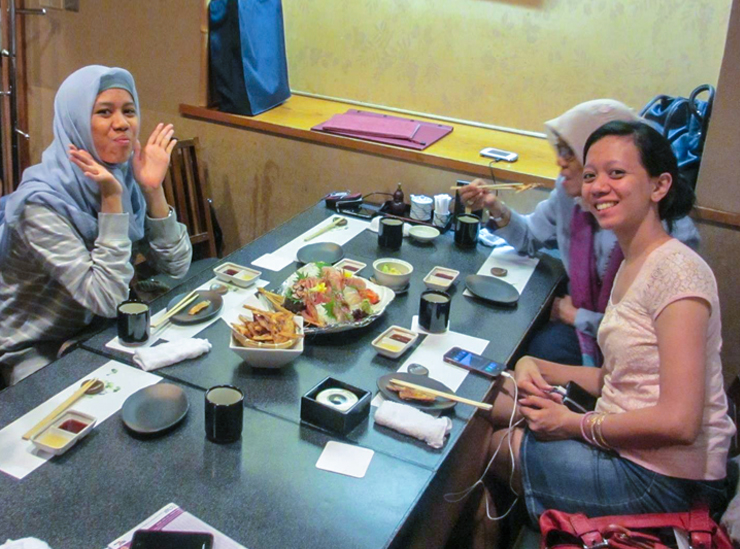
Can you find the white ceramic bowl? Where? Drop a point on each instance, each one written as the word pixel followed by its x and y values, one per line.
pixel 422 233
pixel 435 282
pixel 394 281
pixel 269 358
pixel 385 344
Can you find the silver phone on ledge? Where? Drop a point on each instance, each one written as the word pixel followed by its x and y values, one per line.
pixel 499 154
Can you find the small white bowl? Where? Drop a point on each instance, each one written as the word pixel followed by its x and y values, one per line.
pixel 434 281
pixel 394 281
pixel 394 341
pixel 261 357
pixel 236 274
pixel 422 233
pixel 64 432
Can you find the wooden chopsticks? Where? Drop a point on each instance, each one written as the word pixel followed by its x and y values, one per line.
pixel 518 187
pixel 179 306
pixel 449 396
pixel 58 410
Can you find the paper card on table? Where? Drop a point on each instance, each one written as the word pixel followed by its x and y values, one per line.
pixel 233 299
pixel 345 459
pixel 430 352
pixel 20 457
pixel 273 262
pixel 519 267
pixel 172 518
pixel 339 235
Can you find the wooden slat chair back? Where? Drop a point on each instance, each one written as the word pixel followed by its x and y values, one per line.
pixel 185 189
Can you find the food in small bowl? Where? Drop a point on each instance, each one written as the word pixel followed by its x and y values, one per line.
pixel 422 233
pixel 393 273
pixel 267 340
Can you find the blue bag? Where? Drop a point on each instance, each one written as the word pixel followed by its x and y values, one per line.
pixel 247 63
pixel 684 123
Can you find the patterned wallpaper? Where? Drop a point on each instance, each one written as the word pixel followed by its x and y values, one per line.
pixel 513 63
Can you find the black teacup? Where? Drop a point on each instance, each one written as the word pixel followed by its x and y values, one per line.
pixel 224 413
pixel 434 311
pixel 133 322
pixel 390 233
pixel 466 230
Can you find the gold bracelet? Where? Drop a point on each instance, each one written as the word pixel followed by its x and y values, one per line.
pixel 600 440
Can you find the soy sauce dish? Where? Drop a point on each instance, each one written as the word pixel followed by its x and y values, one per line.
pixel 236 274
pixel 394 341
pixel 64 432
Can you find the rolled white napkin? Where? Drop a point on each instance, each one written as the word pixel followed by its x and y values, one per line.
pixel 25 543
pixel 410 421
pixel 166 354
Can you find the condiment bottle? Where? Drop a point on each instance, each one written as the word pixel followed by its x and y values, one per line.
pixel 398 206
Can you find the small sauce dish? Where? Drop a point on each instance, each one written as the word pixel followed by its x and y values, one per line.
pixel 351 266
pixel 441 278
pixel 394 341
pixel 236 274
pixel 64 432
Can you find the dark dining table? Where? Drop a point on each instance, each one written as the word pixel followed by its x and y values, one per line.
pixel 266 491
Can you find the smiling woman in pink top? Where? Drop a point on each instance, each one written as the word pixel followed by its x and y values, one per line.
pixel 658 438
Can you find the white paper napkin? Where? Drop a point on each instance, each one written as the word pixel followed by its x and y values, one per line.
pixel 166 354
pixel 345 459
pixel 25 543
pixel 410 421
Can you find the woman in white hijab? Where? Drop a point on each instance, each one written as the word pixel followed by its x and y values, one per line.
pixel 68 232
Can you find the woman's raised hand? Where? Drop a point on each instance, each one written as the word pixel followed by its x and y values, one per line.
pixel 475 198
pixel 529 379
pixel 152 160
pixel 109 185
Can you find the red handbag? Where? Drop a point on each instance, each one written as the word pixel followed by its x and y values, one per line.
pixel 649 531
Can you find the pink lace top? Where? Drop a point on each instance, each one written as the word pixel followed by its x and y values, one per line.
pixel 631 380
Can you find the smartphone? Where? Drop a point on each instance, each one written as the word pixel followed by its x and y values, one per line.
pixel 577 399
pixel 473 362
pixel 499 154
pixel 158 539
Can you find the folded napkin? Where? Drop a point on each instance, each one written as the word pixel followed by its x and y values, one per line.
pixel 488 238
pixel 151 358
pixel 25 543
pixel 410 421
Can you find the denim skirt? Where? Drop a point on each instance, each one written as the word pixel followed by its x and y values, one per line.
pixel 575 477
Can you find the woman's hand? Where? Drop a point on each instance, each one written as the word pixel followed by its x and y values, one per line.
pixel 110 188
pixel 549 420
pixel 151 161
pixel 475 198
pixel 529 379
pixel 563 310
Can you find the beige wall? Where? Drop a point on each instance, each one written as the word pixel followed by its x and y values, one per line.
pixel 258 180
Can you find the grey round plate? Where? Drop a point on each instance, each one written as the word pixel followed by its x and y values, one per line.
pixel 155 409
pixel 425 381
pixel 205 314
pixel 321 252
pixel 492 289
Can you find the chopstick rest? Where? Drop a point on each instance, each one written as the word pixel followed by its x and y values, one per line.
pixel 166 354
pixel 410 421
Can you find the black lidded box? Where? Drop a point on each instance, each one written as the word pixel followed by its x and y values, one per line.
pixel 330 418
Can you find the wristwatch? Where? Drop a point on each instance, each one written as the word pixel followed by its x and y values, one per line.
pixel 502 220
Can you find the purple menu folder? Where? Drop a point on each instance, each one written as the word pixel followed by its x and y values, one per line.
pixel 426 134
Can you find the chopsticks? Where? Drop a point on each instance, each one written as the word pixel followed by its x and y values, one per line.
pixel 518 187
pixel 59 409
pixel 179 306
pixel 449 396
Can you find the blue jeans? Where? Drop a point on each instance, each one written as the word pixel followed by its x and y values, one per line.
pixel 556 342
pixel 575 477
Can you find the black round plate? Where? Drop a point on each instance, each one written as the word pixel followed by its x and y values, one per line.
pixel 205 314
pixel 439 404
pixel 492 289
pixel 155 409
pixel 325 252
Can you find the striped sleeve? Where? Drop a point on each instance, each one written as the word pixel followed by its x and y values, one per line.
pixel 97 279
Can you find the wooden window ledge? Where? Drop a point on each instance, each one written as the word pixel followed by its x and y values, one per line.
pixel 457 151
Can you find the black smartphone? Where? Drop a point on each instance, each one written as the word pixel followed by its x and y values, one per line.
pixel 577 399
pixel 157 539
pixel 473 362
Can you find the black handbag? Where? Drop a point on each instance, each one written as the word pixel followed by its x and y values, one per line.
pixel 684 122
